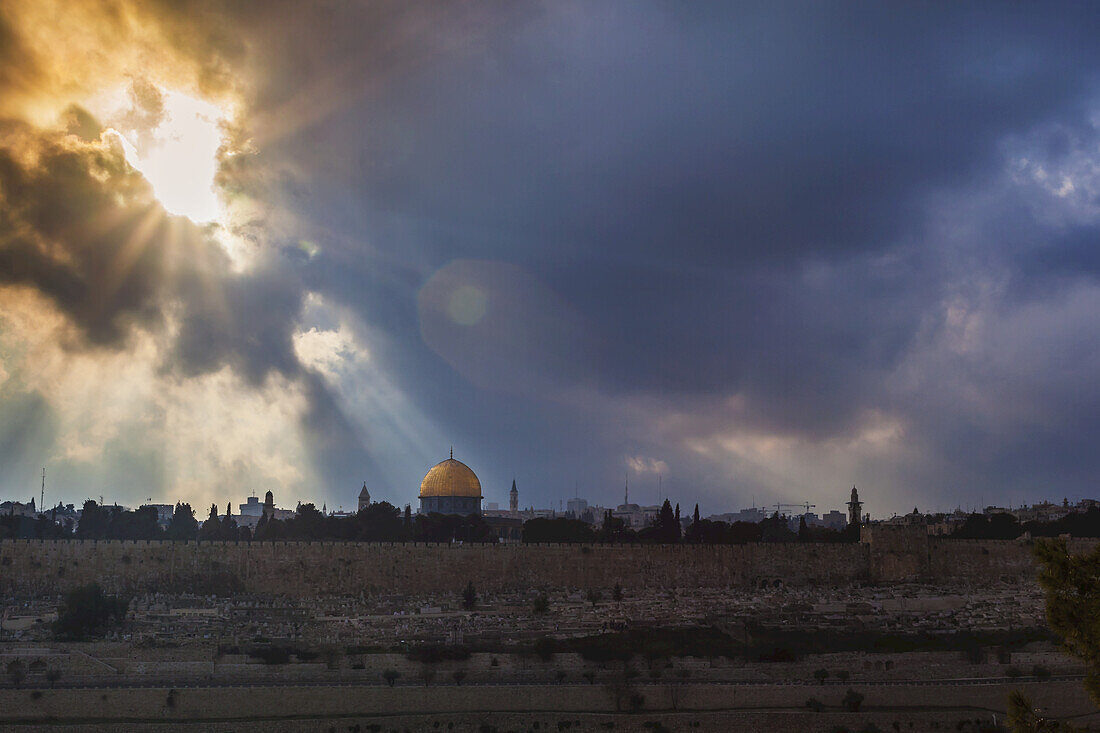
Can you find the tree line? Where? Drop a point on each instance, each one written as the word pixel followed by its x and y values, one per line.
pixel 378 522
pixel 667 528
pixel 383 522
pixel 1004 526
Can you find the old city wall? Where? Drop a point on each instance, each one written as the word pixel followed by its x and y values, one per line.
pixel 306 569
pixel 899 553
pixel 82 707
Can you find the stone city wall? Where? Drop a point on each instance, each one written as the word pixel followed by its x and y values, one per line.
pixel 310 569
pixel 79 707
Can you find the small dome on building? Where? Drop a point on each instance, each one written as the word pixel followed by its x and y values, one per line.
pixel 450 478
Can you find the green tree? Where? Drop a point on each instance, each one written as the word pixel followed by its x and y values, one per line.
pixel 617 593
pixel 183 526
pixel 666 527
pixel 541 604
pixel 469 596
pixel 86 612
pixel 1024 717
pixel 211 528
pixel 594 596
pixel 93 523
pixel 390 676
pixel 852 700
pixel 1072 586
pixel 821 675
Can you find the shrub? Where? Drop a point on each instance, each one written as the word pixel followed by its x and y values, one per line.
pixel 852 700
pixel 814 704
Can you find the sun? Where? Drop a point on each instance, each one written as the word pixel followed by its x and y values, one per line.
pixel 178 155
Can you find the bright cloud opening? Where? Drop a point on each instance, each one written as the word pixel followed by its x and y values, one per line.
pixel 178 155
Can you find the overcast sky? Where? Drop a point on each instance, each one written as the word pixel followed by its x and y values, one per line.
pixel 764 252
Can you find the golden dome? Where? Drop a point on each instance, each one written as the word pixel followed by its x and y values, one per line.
pixel 450 478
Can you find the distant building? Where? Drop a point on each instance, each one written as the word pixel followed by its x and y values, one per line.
pixel 19 509
pixel 251 508
pixel 753 515
pixel 364 497
pixel 164 513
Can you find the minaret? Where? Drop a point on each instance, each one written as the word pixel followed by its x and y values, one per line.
pixel 269 506
pixel 855 507
pixel 626 493
pixel 364 498
pixel 513 498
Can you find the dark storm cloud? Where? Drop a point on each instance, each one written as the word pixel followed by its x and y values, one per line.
pixel 741 202
pixel 66 234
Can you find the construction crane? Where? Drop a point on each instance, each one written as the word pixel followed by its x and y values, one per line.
pixel 807 506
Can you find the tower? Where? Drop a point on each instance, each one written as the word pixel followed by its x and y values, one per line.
pixel 364 498
pixel 513 498
pixel 269 506
pixel 855 507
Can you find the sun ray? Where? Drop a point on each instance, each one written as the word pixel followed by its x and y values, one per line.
pixel 141 234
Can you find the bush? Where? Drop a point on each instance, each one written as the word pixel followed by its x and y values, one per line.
pixel 814 704
pixel 390 676
pixel 852 700
pixel 1013 672
pixel 17 671
pixel 541 605
pixel 1040 672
